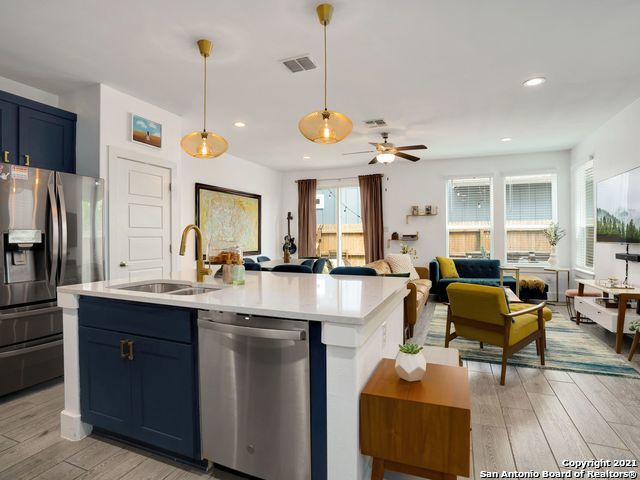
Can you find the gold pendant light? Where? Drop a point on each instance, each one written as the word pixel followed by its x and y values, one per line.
pixel 204 144
pixel 325 126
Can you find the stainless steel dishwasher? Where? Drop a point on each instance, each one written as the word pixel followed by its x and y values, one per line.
pixel 255 394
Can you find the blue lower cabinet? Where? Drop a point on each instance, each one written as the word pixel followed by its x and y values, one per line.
pixel 141 388
pixel 105 381
pixel 165 405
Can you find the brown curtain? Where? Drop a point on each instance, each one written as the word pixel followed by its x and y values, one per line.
pixel 371 207
pixel 307 218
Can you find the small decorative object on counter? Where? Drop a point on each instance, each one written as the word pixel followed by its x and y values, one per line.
pixel 554 234
pixel 394 236
pixel 427 210
pixel 415 210
pixel 238 274
pixel 233 260
pixel 410 362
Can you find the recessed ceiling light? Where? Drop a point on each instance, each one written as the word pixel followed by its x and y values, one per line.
pixel 240 124
pixel 534 82
pixel 506 139
pixel 306 157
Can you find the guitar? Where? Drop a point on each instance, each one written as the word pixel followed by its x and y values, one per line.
pixel 288 238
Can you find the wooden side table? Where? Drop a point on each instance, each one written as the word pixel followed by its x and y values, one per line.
pixel 516 270
pixel 418 428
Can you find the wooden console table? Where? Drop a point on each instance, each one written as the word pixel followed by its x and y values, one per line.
pixel 418 428
pixel 613 321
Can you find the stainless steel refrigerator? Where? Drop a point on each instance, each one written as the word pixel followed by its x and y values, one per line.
pixel 52 234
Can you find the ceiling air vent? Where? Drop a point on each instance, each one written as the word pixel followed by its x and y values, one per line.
pixel 378 122
pixel 299 63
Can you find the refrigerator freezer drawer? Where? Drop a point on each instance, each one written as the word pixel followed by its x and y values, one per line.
pixel 24 324
pixel 30 363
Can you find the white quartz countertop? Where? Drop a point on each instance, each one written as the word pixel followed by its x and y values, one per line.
pixel 318 297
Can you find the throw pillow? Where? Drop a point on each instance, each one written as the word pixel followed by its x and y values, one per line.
pixel 380 266
pixel 447 267
pixel 401 263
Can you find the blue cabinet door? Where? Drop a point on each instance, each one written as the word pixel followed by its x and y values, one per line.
pixel 165 400
pixel 8 133
pixel 46 140
pixel 105 381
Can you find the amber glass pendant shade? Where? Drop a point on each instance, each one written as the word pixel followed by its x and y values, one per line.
pixel 204 144
pixel 325 126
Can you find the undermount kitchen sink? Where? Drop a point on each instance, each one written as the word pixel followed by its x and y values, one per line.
pixel 169 288
pixel 157 287
pixel 195 290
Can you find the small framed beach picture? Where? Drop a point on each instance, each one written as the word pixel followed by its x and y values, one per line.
pixel 146 131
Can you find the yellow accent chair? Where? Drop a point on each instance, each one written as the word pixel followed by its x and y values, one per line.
pixel 481 313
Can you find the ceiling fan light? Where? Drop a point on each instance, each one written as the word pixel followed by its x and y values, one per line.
pixel 325 126
pixel 385 157
pixel 204 144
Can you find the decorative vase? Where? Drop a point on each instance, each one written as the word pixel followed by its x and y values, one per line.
pixel 411 367
pixel 553 259
pixel 287 256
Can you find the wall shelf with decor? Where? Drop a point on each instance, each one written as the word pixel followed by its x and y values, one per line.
pixel 403 238
pixel 432 213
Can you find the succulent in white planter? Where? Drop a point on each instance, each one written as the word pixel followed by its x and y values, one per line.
pixel 410 362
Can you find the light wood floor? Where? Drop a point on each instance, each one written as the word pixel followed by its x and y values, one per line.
pixel 537 420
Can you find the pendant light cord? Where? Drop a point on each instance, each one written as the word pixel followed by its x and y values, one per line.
pixel 205 94
pixel 325 65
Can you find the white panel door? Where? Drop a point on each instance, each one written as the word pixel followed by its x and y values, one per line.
pixel 140 234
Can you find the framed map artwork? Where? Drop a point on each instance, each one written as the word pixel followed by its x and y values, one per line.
pixel 228 218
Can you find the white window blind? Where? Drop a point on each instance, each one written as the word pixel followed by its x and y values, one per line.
pixel 530 207
pixel 585 216
pixel 469 218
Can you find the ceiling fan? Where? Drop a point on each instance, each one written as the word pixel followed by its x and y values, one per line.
pixel 387 152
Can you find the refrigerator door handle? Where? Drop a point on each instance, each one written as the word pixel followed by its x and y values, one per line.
pixel 55 233
pixel 63 230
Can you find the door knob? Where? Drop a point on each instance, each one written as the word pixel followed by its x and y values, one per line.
pixel 6 156
pixel 27 160
pixel 123 264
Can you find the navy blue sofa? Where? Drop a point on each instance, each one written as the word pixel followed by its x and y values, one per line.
pixel 471 270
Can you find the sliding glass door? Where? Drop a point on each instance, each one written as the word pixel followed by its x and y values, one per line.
pixel 339 235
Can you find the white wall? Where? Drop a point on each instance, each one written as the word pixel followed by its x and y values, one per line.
pixel 615 148
pixel 26 91
pixel 85 102
pixel 424 183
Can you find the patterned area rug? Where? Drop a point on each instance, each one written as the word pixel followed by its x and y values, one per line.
pixel 568 348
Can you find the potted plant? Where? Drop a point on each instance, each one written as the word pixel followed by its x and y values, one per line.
pixel 554 234
pixel 410 362
pixel 407 250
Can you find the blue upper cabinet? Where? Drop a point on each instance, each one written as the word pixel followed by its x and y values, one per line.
pixel 36 135
pixel 8 132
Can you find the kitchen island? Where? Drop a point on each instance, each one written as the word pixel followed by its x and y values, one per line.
pixel 359 320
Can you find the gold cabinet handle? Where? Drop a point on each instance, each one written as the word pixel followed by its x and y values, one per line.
pixel 130 356
pixel 6 156
pixel 27 160
pixel 122 345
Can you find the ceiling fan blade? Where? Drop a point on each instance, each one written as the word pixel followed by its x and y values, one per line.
pixel 375 160
pixel 406 156
pixel 412 147
pixel 355 153
pixel 374 144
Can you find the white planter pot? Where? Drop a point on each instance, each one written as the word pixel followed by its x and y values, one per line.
pixel 553 259
pixel 411 367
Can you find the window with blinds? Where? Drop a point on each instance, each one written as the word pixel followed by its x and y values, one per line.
pixel 585 216
pixel 530 206
pixel 469 217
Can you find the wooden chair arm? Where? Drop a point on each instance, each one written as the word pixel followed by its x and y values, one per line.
pixel 423 272
pixel 531 309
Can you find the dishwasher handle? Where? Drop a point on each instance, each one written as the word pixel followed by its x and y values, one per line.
pixel 268 333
